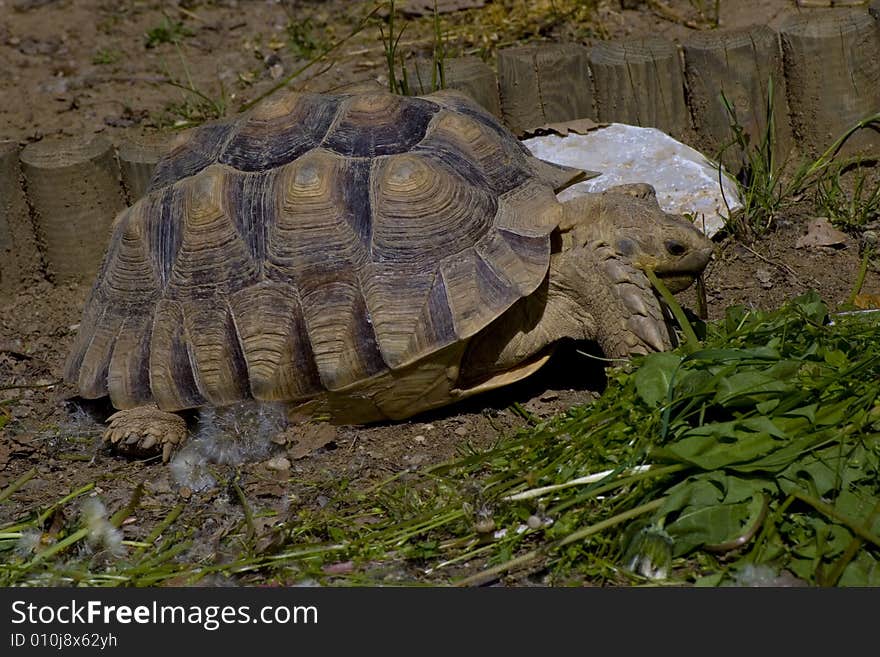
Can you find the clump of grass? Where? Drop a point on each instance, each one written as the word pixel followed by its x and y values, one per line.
pixel 196 105
pixel 438 61
pixel 105 56
pixel 850 204
pixel 168 31
pixel 194 108
pixel 760 180
pixel 398 77
pixel 765 186
pixel 318 57
pixel 479 31
pixel 501 24
pixel 397 82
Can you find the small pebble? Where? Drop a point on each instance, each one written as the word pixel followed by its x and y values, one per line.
pixel 278 463
pixel 484 525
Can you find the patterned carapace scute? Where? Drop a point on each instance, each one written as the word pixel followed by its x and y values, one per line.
pixel 310 244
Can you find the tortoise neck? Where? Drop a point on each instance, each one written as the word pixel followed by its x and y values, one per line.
pixel 526 331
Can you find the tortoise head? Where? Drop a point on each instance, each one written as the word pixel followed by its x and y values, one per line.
pixel 628 220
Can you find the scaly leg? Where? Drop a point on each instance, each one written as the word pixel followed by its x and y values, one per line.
pixel 145 431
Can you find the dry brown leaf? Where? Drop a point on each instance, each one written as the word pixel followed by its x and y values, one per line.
pixel 867 301
pixel 306 438
pixel 267 488
pixel 820 233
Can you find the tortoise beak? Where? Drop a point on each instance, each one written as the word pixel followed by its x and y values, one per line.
pixel 686 269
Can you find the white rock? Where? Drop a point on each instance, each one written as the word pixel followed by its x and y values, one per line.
pixel 686 181
pixel 278 463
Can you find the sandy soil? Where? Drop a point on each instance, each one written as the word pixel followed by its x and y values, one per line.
pixel 85 66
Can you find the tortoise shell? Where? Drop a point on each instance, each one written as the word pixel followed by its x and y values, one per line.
pixel 312 243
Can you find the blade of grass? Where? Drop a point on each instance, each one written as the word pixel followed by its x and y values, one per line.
pixel 302 69
pixel 248 514
pixel 118 517
pixel 15 485
pixel 55 548
pixel 691 340
pixel 160 528
pixel 831 512
pixel 64 500
pixel 860 278
pixel 579 535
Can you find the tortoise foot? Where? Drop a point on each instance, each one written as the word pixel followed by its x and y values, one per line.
pixel 145 431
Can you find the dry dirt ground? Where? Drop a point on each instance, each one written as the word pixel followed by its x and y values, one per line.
pixel 76 67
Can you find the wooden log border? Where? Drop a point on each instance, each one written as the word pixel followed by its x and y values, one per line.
pixel 740 70
pixel 578 82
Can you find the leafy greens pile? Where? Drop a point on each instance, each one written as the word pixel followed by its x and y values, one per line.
pixel 758 447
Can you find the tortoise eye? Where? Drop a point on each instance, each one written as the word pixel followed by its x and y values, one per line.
pixel 675 248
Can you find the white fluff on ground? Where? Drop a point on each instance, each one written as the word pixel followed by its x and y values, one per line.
pixel 227 436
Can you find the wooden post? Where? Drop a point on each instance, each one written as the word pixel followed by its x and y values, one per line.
pixel 19 252
pixel 470 75
pixel 73 186
pixel 640 81
pixel 544 83
pixel 832 68
pixel 740 64
pixel 138 155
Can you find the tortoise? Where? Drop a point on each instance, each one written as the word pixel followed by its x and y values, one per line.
pixel 371 254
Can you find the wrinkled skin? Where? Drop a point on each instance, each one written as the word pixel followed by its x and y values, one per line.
pixel 596 288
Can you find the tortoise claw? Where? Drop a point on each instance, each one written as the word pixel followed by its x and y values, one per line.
pixel 145 431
